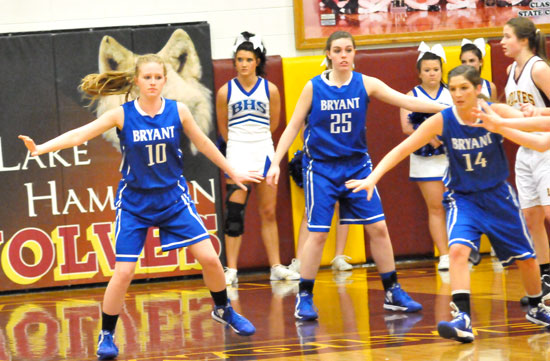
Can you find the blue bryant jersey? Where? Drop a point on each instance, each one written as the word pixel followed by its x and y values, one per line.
pixel 335 126
pixel 476 157
pixel 248 112
pixel 151 155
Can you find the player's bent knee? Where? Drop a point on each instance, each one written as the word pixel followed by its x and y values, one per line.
pixel 318 238
pixel 378 232
pixel 459 252
pixel 234 221
pixel 436 209
pixel 124 275
pixel 210 262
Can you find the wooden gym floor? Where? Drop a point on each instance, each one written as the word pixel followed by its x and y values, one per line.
pixel 171 321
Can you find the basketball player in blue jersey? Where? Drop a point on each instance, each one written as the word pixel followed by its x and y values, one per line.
pixel 248 109
pixel 428 164
pixel 472 53
pixel 152 191
pixel 529 83
pixel 475 179
pixel 333 105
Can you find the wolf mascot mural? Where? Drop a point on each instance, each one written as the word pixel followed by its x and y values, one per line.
pixel 182 81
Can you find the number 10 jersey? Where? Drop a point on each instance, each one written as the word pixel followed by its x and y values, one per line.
pixel 150 147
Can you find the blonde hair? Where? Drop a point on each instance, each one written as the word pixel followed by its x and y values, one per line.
pixel 116 82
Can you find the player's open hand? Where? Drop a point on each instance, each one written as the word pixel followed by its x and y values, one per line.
pixel 29 143
pixel 241 178
pixel 491 120
pixel 528 110
pixel 362 184
pixel 436 143
pixel 272 177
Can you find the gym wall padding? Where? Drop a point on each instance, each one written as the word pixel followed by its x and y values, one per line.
pixel 252 254
pixel 297 72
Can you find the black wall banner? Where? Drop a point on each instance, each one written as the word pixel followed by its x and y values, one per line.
pixel 57 211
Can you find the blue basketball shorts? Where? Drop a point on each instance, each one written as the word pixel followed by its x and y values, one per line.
pixel 172 211
pixel 324 185
pixel 495 213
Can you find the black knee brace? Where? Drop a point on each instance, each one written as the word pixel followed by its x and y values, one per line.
pixel 234 218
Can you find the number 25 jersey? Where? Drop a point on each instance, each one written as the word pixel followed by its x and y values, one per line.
pixel 335 126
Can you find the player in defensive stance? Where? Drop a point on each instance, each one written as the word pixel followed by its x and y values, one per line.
pixel 334 105
pixel 152 191
pixel 478 200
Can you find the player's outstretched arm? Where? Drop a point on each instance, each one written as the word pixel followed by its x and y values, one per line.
pixel 514 121
pixel 209 149
pixel 383 92
pixel 493 122
pixel 426 131
pixel 77 136
pixel 529 110
pixel 291 131
pixel 538 142
pixel 406 125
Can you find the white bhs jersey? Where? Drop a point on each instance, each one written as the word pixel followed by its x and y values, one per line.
pixel 443 96
pixel 524 90
pixel 248 112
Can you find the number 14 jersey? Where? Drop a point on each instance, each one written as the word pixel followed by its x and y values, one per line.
pixel 476 157
pixel 336 123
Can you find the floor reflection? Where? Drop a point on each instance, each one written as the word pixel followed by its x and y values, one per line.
pixel 171 320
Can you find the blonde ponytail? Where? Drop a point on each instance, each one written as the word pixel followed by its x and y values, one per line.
pixel 95 86
pixel 108 83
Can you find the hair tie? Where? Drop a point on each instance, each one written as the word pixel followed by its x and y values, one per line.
pixel 256 41
pixel 479 43
pixel 437 49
